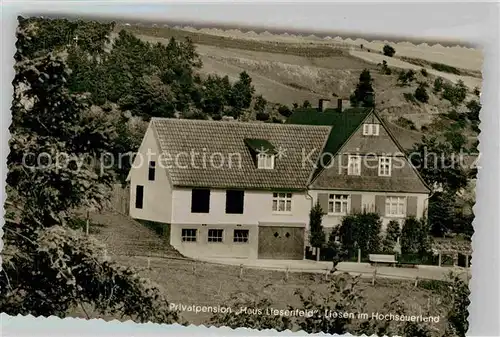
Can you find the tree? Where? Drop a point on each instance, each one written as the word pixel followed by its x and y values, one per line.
pixel 438 84
pixel 317 236
pixel 456 140
pixel 242 92
pixel 421 94
pixel 406 77
pixel 53 268
pixel 260 104
pixel 437 164
pixel 385 69
pixel 363 94
pixel 388 50
pixel 441 213
pixel 477 92
pixel 414 236
pixel 456 94
pixel 474 107
pixel 306 104
pixel 424 73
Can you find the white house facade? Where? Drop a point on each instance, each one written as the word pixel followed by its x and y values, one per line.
pixel 245 190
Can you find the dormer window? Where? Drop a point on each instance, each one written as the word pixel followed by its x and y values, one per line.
pixel 265 161
pixel 371 129
pixel 263 153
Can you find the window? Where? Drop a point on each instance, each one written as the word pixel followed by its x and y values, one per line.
pixel 338 204
pixel 200 200
pixel 240 235
pixel 215 235
pixel 384 166
pixel 234 201
pixel 139 196
pixel 371 129
pixel 265 161
pixel 188 235
pixel 395 206
pixel 151 173
pixel 282 202
pixel 354 167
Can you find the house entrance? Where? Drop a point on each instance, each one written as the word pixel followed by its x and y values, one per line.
pixel 281 243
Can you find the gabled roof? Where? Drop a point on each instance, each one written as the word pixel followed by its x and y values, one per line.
pixel 226 139
pixel 344 124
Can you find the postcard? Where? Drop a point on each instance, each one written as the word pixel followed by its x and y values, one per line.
pixel 241 177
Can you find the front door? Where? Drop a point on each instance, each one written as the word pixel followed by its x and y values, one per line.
pixel 281 243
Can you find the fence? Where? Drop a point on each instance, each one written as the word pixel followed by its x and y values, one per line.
pixel 446 259
pixel 120 198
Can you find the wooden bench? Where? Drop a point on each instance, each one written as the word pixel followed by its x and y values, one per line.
pixel 382 259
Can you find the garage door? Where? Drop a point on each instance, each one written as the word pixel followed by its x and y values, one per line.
pixel 285 243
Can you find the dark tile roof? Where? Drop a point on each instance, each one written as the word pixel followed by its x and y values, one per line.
pixel 344 123
pixel 227 139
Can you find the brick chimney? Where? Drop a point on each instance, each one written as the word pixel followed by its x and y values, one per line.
pixel 343 104
pixel 323 104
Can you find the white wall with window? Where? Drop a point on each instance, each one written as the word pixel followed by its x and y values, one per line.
pixel 282 202
pixel 265 161
pixel 370 129
pixel 338 204
pixel 395 206
pixel 384 166
pixel 354 165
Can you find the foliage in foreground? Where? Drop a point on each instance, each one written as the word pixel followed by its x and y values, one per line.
pixel 53 268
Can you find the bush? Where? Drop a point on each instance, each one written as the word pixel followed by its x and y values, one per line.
pixel 406 77
pixel 414 236
pixel 392 233
pixel 424 73
pixel 474 108
pixel 405 123
pixel 445 68
pixel 284 111
pixel 456 94
pixel 361 231
pixel 409 97
pixel 262 116
pixel 421 94
pixel 388 50
pixel 438 84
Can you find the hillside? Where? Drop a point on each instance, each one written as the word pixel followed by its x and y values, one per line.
pixel 287 72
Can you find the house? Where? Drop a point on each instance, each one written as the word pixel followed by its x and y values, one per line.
pixel 363 168
pixel 227 188
pixel 235 189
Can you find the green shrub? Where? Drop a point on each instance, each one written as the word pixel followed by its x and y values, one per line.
pixel 388 50
pixel 361 231
pixel 424 73
pixel 445 68
pixel 414 236
pixel 405 123
pixel 438 84
pixel 421 94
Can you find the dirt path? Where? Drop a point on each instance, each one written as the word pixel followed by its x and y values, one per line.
pixel 124 236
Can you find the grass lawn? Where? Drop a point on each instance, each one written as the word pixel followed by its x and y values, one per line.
pixel 200 283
